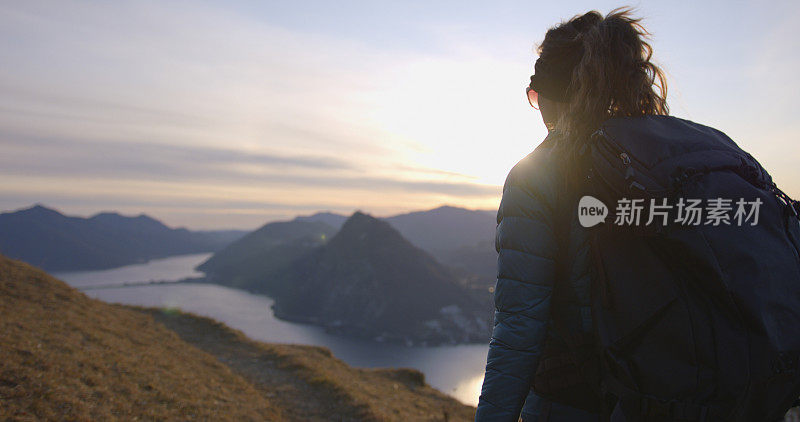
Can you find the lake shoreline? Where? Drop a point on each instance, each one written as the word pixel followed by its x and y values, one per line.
pixel 338 330
pixel 454 369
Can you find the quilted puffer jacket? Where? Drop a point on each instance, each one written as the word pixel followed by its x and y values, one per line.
pixel 540 244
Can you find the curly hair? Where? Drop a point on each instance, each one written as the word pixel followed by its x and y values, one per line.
pixel 614 76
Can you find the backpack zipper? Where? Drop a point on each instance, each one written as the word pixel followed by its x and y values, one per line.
pixel 611 149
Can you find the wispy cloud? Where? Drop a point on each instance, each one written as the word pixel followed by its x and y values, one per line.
pixel 133 93
pixel 204 115
pixel 125 158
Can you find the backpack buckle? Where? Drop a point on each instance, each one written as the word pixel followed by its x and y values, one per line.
pixel 793 205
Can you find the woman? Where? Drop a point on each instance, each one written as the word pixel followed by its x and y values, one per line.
pixel 590 68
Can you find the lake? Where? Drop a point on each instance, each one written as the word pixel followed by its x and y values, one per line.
pixel 454 370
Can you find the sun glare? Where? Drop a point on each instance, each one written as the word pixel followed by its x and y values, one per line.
pixel 465 115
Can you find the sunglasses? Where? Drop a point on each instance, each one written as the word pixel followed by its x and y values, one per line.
pixel 533 97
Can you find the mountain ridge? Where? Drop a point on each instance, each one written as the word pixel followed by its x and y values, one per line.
pixel 47 238
pixel 254 261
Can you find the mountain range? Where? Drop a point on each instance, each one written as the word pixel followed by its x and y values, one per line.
pixel 46 238
pixel 372 277
pixel 421 277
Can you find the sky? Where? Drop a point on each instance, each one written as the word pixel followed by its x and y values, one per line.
pixel 230 114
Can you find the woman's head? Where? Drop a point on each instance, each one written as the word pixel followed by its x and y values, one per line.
pixel 592 67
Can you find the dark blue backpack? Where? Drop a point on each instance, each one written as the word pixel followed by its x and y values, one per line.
pixel 693 321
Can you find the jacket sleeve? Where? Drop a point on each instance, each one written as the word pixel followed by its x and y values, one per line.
pixel 527 247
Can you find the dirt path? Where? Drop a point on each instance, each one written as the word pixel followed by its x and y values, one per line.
pixel 298 399
pixel 308 384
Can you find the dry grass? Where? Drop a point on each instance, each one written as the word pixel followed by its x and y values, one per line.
pixel 388 394
pixel 324 386
pixel 64 356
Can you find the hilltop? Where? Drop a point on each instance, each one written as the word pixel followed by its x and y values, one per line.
pixel 369 281
pixel 459 238
pixel 66 356
pixel 462 239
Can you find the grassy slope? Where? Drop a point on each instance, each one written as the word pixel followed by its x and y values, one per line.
pixel 310 384
pixel 66 356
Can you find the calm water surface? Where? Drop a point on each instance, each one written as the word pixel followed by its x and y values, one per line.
pixel 455 370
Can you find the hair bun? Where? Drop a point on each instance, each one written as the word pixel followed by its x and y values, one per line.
pixel 586 21
pixel 602 66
